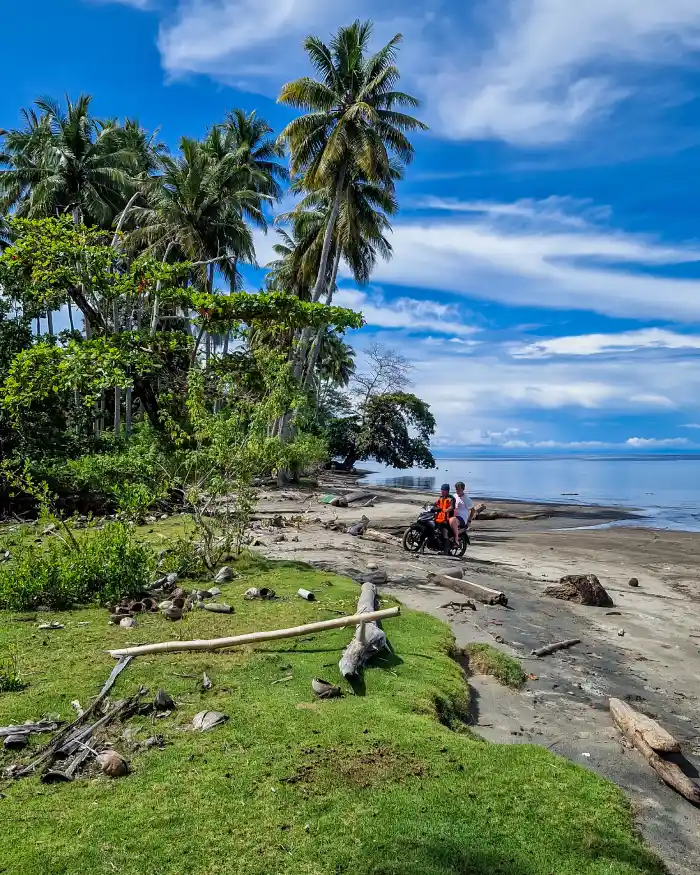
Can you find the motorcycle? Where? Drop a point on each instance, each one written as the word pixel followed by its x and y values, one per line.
pixel 426 534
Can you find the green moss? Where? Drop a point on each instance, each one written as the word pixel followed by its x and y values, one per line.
pixel 371 783
pixel 485 659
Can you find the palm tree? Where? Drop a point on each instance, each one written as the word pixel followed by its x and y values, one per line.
pixel 353 124
pixel 336 359
pixel 66 161
pixel 249 137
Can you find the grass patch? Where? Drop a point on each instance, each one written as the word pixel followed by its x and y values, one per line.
pixel 370 784
pixel 485 659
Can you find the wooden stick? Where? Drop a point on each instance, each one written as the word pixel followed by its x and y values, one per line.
pixel 255 637
pixel 23 728
pixel 631 721
pixel 380 538
pixel 669 772
pixel 474 590
pixel 552 648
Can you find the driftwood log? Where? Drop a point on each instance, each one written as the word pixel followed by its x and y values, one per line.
pixel 27 728
pixel 552 648
pixel 254 637
pixel 472 590
pixel 641 731
pixel 368 639
pixel 381 538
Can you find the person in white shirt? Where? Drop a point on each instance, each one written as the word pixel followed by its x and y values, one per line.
pixel 464 511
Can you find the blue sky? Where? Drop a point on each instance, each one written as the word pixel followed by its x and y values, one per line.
pixel 546 277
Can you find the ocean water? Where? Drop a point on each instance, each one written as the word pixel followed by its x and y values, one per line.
pixel 664 491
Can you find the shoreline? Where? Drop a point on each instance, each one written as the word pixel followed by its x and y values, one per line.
pixel 646 650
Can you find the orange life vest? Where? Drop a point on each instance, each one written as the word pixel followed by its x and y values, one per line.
pixel 444 504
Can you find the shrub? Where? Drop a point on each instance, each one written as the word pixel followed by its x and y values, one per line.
pixel 10 679
pixel 485 659
pixel 108 564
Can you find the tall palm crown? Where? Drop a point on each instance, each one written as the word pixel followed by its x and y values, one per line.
pixel 353 126
pixel 196 205
pixel 65 160
pixel 249 136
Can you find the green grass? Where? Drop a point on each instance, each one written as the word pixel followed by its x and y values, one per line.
pixel 370 784
pixel 485 659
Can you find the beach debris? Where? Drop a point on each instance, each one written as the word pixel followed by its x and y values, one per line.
pixel 655 744
pixel 482 513
pixel 224 574
pixel 479 593
pixel 324 689
pixel 263 593
pixel 334 500
pixel 255 637
pixel 459 606
pixel 5 556
pixel 206 720
pixel 277 522
pixel 51 626
pixel 22 728
pixel 633 581
pixel 215 607
pixel 173 613
pixel 206 682
pixel 306 594
pixel 113 764
pixel 621 633
pixel 375 577
pixel 368 640
pixel 552 648
pixel 584 589
pixel 55 776
pixel 381 538
pixel 16 741
pixel 450 572
pixel 77 707
pixel 163 701
pixel 358 528
pixel 372 566
pixel 127 623
pixel 154 741
pixel 171 578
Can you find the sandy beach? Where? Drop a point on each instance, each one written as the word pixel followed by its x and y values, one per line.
pixel 645 650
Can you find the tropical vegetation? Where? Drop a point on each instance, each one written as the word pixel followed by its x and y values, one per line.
pixel 139 254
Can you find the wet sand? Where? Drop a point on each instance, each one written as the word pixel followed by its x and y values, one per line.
pixel 655 665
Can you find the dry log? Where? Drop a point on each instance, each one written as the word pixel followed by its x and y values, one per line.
pixel 558 645
pixel 25 728
pixel 381 538
pixel 48 752
pixel 254 637
pixel 473 590
pixel 631 721
pixel 306 594
pixel 360 495
pixel 368 639
pixel 668 771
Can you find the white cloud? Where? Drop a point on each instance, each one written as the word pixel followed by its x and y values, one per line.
pixel 642 443
pixel 410 314
pixel 596 344
pixel 691 425
pixel 554 65
pixel 137 4
pixel 537 74
pixel 542 259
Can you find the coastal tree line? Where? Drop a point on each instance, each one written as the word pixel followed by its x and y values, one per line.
pixel 167 359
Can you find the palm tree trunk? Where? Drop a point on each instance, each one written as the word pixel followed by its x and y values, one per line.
pixel 156 300
pixel 127 421
pixel 38 327
pixel 70 316
pixel 328 239
pixel 49 322
pixel 117 412
pixel 316 347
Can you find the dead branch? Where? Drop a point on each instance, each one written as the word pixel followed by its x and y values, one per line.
pixel 552 648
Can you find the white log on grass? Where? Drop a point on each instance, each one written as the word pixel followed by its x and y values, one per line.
pixel 368 640
pixel 254 637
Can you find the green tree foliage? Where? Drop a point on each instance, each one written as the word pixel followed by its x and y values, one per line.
pixel 393 428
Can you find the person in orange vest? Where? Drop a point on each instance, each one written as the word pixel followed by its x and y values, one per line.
pixel 445 510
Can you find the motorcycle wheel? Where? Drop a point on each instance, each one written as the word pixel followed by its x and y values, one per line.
pixel 413 539
pixel 458 550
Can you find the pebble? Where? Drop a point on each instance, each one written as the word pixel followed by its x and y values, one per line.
pixel 621 632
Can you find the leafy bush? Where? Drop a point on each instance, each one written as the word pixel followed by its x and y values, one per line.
pixel 183 557
pixel 108 564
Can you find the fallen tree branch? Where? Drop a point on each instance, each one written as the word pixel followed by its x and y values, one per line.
pixel 552 648
pixel 628 722
pixel 254 637
pixel 380 538
pixel 26 728
pixel 368 639
pixel 473 590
